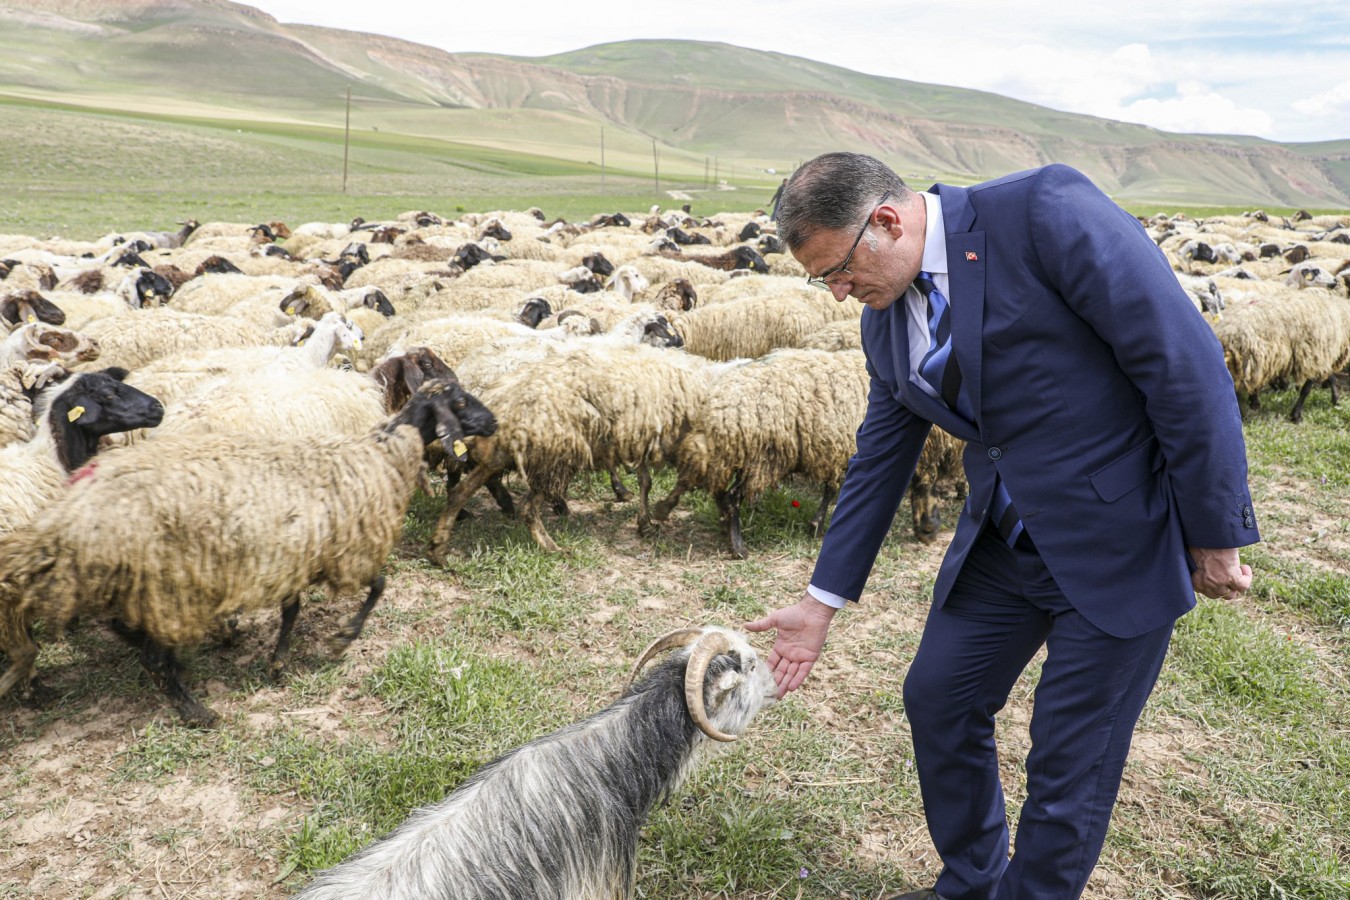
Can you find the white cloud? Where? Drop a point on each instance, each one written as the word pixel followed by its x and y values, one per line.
pixel 1333 103
pixel 1197 108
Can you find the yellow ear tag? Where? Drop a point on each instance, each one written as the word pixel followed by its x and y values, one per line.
pixel 290 310
pixel 461 448
pixel 356 344
pixel 302 343
pixel 31 318
pixel 75 413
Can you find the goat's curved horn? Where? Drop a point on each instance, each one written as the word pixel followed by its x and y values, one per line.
pixel 681 637
pixel 708 646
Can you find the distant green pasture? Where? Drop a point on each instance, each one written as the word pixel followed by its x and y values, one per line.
pixel 79 174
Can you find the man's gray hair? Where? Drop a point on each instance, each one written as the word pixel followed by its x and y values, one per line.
pixel 834 191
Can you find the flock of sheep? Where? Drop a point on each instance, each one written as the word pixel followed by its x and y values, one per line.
pixel 202 423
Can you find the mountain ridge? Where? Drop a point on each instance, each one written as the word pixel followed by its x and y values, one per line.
pixel 757 110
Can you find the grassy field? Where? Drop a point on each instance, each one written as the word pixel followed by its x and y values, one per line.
pixel 78 173
pixel 1238 786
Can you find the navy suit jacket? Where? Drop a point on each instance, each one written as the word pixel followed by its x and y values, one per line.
pixel 1100 394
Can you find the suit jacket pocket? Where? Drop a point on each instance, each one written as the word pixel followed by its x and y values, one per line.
pixel 1127 471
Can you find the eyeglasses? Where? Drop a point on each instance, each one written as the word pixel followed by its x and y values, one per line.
pixel 826 279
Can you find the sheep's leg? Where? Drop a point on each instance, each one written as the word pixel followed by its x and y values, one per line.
pixel 282 652
pixel 559 505
pixel 532 513
pixel 644 522
pixel 1333 382
pixel 663 508
pixel 162 665
pixel 1254 400
pixel 923 507
pixel 503 497
pixel 22 654
pixel 621 492
pixel 827 498
pixel 454 502
pixel 351 630
pixel 729 513
pixel 1296 414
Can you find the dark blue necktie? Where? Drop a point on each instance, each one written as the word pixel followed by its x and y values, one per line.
pixel 940 370
pixel 938 366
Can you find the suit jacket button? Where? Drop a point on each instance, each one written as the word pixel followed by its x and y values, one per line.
pixel 1246 510
pixel 1249 522
pixel 995 453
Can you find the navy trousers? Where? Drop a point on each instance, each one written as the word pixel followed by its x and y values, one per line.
pixel 1003 607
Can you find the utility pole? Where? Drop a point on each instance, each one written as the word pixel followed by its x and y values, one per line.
pixel 656 169
pixel 346 140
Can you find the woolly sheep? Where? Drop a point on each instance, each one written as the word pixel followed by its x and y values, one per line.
pixel 132 341
pixel 287 515
pixel 560 817
pixel 755 325
pixel 213 390
pixel 1272 334
pixel 789 412
pixel 590 409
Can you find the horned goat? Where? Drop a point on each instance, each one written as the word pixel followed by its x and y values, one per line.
pixel 560 817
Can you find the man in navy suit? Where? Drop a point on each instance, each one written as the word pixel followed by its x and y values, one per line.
pixel 1034 318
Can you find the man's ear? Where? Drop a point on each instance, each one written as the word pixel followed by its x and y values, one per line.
pixel 890 218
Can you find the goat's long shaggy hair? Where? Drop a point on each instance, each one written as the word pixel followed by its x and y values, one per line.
pixel 559 817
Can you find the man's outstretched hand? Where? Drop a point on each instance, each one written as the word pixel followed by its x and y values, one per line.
pixel 801 635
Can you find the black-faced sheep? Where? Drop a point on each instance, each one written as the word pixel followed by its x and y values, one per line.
pixel 741 257
pixel 74 416
pixel 281 519
pixel 23 307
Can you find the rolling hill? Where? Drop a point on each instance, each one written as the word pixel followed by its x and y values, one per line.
pixel 687 103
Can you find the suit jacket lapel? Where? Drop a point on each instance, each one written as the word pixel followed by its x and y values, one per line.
pixel 965 278
pixel 913 396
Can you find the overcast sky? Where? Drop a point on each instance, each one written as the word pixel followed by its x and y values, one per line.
pixel 1271 68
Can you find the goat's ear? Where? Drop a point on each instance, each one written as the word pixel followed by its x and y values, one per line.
pixel 116 372
pixel 726 683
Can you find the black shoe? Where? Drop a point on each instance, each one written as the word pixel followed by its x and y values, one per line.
pixel 925 894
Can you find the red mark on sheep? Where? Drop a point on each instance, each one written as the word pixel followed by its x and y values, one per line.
pixel 82 473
